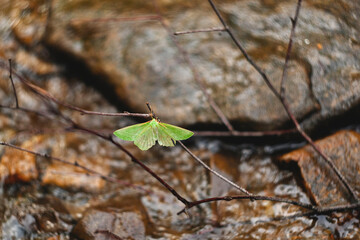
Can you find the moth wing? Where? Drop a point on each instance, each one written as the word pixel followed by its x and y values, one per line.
pixel 130 133
pixel 146 138
pixel 176 133
pixel 164 139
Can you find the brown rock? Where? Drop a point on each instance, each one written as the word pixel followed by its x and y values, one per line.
pixel 343 148
pixel 68 176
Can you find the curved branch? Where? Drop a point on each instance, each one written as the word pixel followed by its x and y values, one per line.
pixel 213 171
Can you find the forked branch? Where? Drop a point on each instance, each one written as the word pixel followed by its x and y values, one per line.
pixel 281 96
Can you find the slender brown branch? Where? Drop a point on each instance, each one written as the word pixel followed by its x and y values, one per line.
pixel 76 164
pixel 200 31
pixel 27 110
pixel 117 19
pixel 283 99
pixel 213 171
pixel 243 51
pixel 12 84
pixel 288 52
pixel 319 211
pixel 250 197
pixel 39 91
pixel 243 133
pixel 320 152
pixel 123 114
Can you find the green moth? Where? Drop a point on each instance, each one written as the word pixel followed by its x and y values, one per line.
pixel 146 134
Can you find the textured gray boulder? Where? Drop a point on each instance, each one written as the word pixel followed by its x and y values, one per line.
pixel 141 63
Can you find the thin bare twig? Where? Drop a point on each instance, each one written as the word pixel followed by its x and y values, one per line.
pixel 76 164
pixel 244 133
pixel 12 84
pixel 319 211
pixel 213 171
pixel 250 197
pixel 123 114
pixel 243 51
pixel 200 31
pixel 117 19
pixel 27 110
pixel 282 98
pixel 288 52
pixel 39 91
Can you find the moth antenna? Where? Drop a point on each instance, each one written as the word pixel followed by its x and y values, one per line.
pixel 152 112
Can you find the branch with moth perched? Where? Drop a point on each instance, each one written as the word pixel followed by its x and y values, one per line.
pixel 45 96
pixel 48 98
pixel 188 204
pixel 165 140
pixel 145 135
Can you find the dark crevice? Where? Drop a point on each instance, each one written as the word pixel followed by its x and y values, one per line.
pixel 76 68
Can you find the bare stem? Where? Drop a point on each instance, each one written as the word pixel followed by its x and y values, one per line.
pixel 213 171
pixel 243 51
pixel 117 19
pixel 12 84
pixel 287 58
pixel 76 164
pixel 244 133
pixel 250 197
pixel 27 110
pixel 44 94
pixel 200 31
